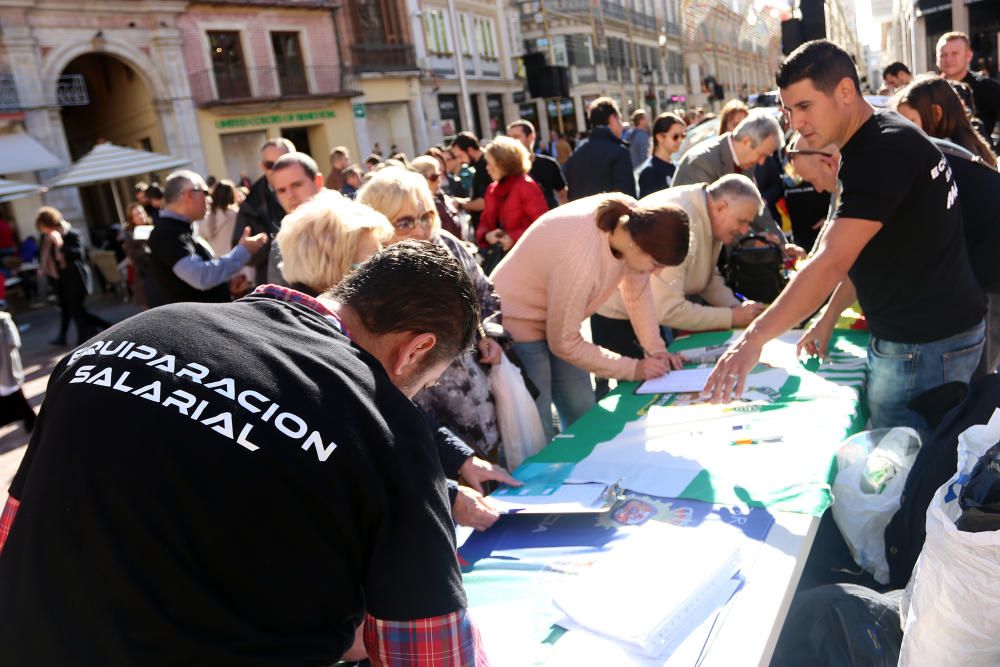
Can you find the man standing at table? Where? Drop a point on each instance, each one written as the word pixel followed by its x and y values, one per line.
pixel 254 525
pixel 895 241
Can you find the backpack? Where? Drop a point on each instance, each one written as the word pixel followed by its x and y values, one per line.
pixel 755 268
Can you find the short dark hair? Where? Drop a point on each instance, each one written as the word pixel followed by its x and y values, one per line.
pixel 822 61
pixel 661 231
pixel 303 160
pixel 895 69
pixel 525 126
pixel 601 110
pixel 465 141
pixel 415 286
pixel 373 159
pixel 154 191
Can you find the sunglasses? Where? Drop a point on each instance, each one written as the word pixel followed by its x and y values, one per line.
pixel 198 191
pixel 433 178
pixel 675 137
pixel 268 165
pixel 408 223
pixel 807 151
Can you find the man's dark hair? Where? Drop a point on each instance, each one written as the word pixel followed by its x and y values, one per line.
pixel 895 69
pixel 601 110
pixel 373 159
pixel 154 191
pixel 465 141
pixel 418 287
pixel 822 61
pixel 305 161
pixel 525 125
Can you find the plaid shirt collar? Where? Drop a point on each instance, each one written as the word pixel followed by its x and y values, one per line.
pixel 293 296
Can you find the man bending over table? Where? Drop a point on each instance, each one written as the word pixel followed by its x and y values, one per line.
pixel 266 486
pixel 895 244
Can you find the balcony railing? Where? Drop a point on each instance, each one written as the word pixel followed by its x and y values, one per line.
pixel 383 58
pixel 265 83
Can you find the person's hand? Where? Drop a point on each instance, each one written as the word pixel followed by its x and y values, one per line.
pixel 819 224
pixel 652 367
pixel 471 509
pixel 493 236
pixel 489 351
pixel 460 202
pixel 239 285
pixel 746 312
pixel 730 373
pixel 815 339
pixel 674 362
pixel 505 240
pixel 475 471
pixel 252 243
pixel 357 652
pixel 793 251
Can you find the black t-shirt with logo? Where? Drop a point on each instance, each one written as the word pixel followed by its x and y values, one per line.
pixel 228 484
pixel 913 278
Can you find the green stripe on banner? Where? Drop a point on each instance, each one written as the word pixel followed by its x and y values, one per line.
pixel 789 477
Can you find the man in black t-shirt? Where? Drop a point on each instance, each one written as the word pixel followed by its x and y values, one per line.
pixel 895 244
pixel 545 170
pixel 466 147
pixel 251 503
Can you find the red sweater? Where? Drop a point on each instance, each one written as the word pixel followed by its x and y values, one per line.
pixel 513 203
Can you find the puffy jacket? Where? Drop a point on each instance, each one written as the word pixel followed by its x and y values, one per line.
pixel 513 203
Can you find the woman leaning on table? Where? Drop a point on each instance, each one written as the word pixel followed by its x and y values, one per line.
pixel 563 268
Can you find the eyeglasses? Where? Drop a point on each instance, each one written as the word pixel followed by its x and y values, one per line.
pixel 268 165
pixel 408 223
pixel 675 137
pixel 433 178
pixel 198 191
pixel 808 151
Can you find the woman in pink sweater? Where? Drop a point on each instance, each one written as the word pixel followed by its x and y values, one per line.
pixel 560 272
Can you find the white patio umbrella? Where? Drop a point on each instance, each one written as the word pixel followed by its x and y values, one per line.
pixel 10 190
pixel 108 162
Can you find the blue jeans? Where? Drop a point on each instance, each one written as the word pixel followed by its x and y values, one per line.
pixel 558 381
pixel 899 372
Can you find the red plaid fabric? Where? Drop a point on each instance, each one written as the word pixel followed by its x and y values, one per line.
pixel 451 640
pixel 7 519
pixel 288 294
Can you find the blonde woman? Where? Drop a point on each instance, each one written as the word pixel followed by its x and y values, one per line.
pixel 430 168
pixel 513 199
pixel 327 237
pixel 461 399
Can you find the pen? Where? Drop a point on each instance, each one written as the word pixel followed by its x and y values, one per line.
pixel 739 296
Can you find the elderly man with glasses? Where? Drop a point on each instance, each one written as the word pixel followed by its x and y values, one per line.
pixel 182 266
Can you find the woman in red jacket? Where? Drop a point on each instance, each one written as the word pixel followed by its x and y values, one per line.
pixel 513 200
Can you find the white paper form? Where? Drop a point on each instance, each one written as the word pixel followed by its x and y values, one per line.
pixel 567 499
pixel 683 381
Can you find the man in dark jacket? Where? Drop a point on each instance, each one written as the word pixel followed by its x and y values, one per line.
pixel 261 211
pixel 954 55
pixel 603 163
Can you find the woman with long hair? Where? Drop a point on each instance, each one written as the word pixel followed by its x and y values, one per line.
pixel 657 172
pixel 562 270
pixel 931 104
pixel 135 251
pixel 217 227
pixel 731 115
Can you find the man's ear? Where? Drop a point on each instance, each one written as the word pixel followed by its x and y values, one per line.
pixel 320 182
pixel 412 352
pixel 845 91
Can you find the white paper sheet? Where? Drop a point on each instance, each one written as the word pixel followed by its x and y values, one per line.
pixel 567 499
pixel 683 381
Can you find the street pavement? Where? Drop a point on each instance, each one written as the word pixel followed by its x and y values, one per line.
pixel 38 326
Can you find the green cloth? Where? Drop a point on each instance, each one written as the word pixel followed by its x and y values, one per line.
pixel 792 476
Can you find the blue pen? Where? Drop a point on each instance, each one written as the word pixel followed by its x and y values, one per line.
pixel 739 296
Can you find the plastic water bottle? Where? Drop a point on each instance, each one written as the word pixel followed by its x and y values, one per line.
pixel 895 452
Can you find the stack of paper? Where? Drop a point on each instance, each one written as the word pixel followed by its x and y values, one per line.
pixel 655 589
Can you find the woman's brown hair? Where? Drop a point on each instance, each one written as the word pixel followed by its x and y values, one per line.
pixel 732 108
pixel 928 91
pixel 49 217
pixel 661 231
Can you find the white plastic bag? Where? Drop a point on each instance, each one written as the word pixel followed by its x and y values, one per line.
pixel 517 417
pixel 952 603
pixel 865 499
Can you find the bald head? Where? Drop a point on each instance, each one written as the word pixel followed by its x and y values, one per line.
pixel 816 164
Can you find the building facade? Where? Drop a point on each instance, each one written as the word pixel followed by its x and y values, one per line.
pixel 259 72
pixel 629 51
pixel 473 35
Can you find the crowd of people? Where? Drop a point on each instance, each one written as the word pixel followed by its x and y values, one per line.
pixel 317 350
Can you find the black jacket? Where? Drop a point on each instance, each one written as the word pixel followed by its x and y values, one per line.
pixel 261 212
pixel 601 164
pixel 986 95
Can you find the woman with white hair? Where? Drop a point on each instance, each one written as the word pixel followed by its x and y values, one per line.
pixel 327 237
pixel 430 168
pixel 462 399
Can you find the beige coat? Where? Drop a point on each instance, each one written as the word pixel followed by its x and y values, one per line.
pixel 697 275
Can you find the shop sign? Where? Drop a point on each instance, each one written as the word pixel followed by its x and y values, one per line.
pixel 273 119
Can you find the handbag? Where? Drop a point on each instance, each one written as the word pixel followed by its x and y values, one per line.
pixel 755 268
